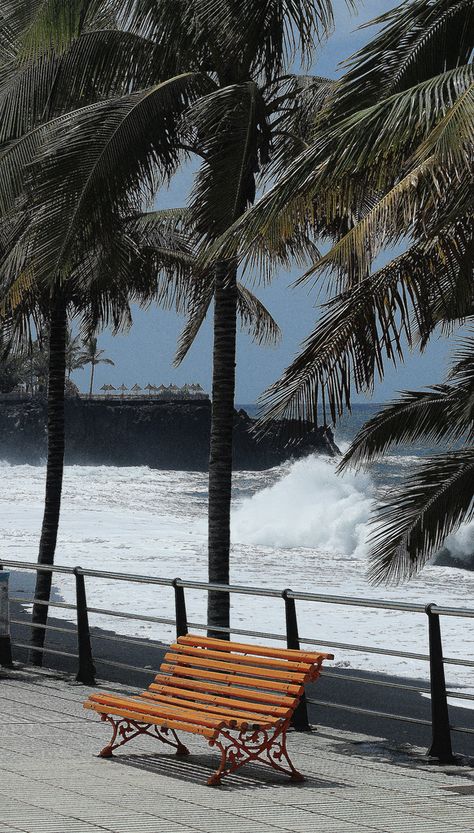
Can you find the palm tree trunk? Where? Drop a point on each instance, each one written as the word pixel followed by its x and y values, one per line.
pixel 54 472
pixel 92 379
pixel 220 459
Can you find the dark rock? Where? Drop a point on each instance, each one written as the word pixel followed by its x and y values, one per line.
pixel 162 435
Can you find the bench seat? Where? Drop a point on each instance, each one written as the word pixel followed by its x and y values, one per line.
pixel 240 697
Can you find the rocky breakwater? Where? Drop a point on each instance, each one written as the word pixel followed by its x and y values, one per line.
pixel 159 434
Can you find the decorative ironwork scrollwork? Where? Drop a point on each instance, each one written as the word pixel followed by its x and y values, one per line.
pixel 128 729
pixel 265 745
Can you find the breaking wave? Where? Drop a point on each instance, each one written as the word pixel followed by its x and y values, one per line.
pixel 312 506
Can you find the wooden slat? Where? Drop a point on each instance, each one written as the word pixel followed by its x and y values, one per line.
pixel 258 650
pixel 202 696
pixel 226 690
pixel 226 713
pixel 248 670
pixel 185 726
pixel 224 656
pixel 158 711
pixel 174 712
pixel 252 682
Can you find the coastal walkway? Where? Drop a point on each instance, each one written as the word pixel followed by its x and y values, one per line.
pixel 52 782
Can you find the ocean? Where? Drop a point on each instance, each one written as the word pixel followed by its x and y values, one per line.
pixel 298 525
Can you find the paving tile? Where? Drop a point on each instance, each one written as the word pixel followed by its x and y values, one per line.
pixel 296 819
pixel 10 829
pixel 51 780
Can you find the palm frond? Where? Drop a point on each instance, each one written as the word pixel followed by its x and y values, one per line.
pixel 387 221
pixel 98 65
pixel 108 154
pixel 462 371
pixel 168 228
pixel 417 40
pixel 16 279
pixel 42 25
pixel 102 64
pixel 295 105
pixel 451 140
pixel 413 524
pixel 260 38
pixel 367 325
pixel 363 154
pixel 8 44
pixel 230 124
pixel 197 315
pixel 16 159
pixel 24 92
pixel 255 317
pixel 124 267
pixel 430 416
pixel 262 261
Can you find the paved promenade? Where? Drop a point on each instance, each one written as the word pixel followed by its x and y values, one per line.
pixel 51 781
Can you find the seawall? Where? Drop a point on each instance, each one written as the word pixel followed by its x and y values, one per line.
pixel 159 434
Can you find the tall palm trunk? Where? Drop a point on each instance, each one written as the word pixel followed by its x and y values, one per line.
pixel 92 379
pixel 220 459
pixel 54 472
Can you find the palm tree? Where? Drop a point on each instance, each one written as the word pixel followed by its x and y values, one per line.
pixel 74 359
pixel 391 163
pixel 40 362
pixel 99 290
pixel 253 119
pixel 13 368
pixel 70 251
pixel 93 356
pixel 248 117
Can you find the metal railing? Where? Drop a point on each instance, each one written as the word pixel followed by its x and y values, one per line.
pixel 441 728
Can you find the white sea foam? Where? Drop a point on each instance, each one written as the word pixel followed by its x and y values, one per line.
pixel 310 506
pixel 299 526
pixel 342 445
pixel 461 543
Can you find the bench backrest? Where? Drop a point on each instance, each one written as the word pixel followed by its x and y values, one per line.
pixel 266 680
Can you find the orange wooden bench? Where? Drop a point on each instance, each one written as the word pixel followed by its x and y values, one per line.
pixel 240 697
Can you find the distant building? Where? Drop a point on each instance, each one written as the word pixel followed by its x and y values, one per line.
pixel 162 392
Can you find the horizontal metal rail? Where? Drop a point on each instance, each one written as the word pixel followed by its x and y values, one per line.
pixel 38 568
pixel 366 649
pixel 278 637
pixel 46 627
pixel 42 602
pixel 460 695
pixel 369 712
pixel 368 680
pixel 121 614
pixel 44 650
pixel 129 640
pixel 350 646
pixel 462 729
pixel 406 607
pixel 125 665
pixel 453 611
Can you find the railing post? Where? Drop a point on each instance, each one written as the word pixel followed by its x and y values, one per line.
pixel 299 720
pixel 441 734
pixel 180 609
pixel 86 669
pixel 5 641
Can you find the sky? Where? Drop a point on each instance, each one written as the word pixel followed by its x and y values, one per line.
pixel 145 354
